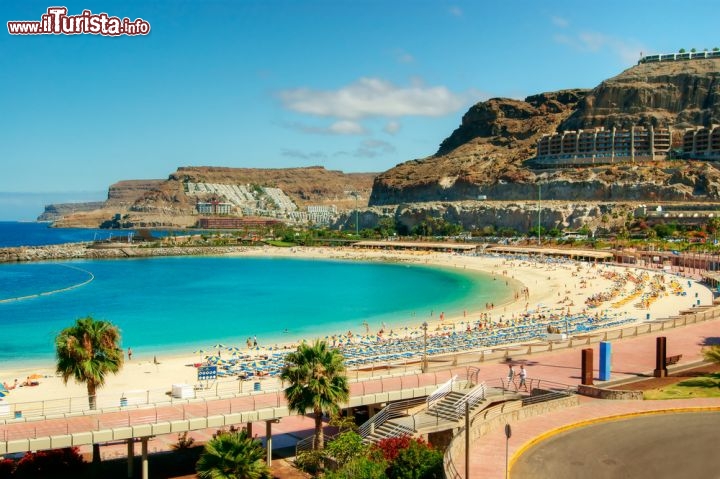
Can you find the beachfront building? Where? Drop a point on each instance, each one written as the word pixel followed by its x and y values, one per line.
pixel 244 222
pixel 702 143
pixel 321 214
pixel 213 208
pixel 673 57
pixel 249 200
pixel 601 147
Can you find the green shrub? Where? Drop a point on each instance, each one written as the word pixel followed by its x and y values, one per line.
pixel 310 461
pixel 346 447
pixel 360 468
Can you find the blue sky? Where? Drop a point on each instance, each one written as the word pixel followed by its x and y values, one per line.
pixel 351 85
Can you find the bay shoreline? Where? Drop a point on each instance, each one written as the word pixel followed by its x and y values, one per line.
pixel 547 284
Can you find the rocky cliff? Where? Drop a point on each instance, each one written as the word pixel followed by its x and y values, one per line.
pixel 165 203
pixel 484 156
pixel 520 216
pixel 124 193
pixel 57 211
pixel 678 94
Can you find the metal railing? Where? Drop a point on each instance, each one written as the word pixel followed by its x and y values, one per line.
pixel 308 443
pixel 471 399
pixel 440 392
pixel 228 389
pixel 391 411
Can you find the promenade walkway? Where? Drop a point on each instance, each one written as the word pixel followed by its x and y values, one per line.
pixel 631 357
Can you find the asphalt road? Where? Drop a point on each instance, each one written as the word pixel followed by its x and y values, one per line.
pixel 660 446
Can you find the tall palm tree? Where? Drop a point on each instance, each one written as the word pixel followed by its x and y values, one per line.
pixel 232 455
pixel 87 351
pixel 316 374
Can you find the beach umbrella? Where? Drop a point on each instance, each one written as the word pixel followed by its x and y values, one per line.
pixel 4 393
pixel 218 346
pixel 200 352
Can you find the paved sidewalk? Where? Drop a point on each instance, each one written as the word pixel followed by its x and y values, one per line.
pixel 630 357
pixel 487 456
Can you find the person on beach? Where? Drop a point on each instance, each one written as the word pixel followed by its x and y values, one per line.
pixel 523 376
pixel 129 354
pixel 510 375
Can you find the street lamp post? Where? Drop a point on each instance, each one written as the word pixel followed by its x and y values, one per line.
pixel 538 230
pixel 424 362
pixel 357 215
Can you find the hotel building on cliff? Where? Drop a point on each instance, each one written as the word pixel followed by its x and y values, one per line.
pixel 602 147
pixel 702 143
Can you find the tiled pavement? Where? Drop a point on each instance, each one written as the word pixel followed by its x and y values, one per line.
pixel 630 357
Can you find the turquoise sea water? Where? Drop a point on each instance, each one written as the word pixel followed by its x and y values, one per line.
pixel 181 304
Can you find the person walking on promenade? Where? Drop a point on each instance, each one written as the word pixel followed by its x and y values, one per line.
pixel 511 376
pixel 523 376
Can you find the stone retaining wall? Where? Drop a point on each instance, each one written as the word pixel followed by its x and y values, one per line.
pixel 494 418
pixel 600 393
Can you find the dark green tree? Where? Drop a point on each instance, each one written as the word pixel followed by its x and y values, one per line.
pixel 385 226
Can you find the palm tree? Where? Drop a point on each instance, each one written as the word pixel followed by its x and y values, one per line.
pixel 712 353
pixel 232 455
pixel 88 351
pixel 317 381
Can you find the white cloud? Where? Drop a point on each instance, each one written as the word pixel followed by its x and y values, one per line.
pixel 404 57
pixel 392 127
pixel 303 155
pixel 369 149
pixel 559 22
pixel 374 97
pixel 456 11
pixel 347 127
pixel 627 50
pixel 342 127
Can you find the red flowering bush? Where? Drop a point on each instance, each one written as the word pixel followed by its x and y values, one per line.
pixel 391 447
pixel 7 467
pixel 53 463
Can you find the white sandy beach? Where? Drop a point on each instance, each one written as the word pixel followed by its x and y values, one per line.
pixel 558 286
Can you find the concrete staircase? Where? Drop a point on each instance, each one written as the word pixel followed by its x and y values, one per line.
pixel 443 414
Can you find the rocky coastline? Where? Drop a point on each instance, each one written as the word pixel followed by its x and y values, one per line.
pixel 86 250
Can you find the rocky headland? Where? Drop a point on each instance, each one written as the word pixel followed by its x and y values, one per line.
pixel 486 155
pixel 165 203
